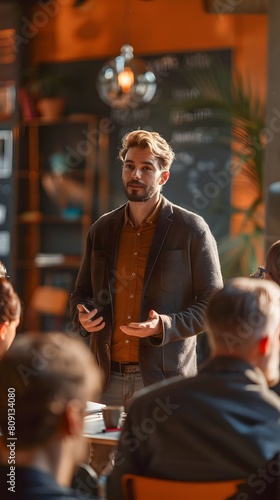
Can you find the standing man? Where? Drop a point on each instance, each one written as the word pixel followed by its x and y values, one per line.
pixel 147 274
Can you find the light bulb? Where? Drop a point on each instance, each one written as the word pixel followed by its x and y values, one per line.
pixel 126 79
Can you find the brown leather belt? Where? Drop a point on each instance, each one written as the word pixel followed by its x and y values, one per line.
pixel 125 368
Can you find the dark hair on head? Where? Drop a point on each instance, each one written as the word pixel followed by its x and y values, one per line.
pixel 45 371
pixel 152 140
pixel 3 270
pixel 10 305
pixel 272 263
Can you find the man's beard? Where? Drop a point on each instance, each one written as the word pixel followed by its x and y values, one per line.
pixel 136 195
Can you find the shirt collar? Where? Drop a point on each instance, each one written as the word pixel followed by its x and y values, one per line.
pixel 235 364
pixel 152 217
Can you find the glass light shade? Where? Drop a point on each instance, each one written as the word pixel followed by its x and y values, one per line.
pixel 126 81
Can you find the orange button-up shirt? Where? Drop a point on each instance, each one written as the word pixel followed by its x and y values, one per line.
pixel 133 251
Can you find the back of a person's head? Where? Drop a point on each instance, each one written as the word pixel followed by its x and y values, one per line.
pixel 241 314
pixel 272 262
pixel 44 371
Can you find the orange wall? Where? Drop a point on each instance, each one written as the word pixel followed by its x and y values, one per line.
pixel 100 27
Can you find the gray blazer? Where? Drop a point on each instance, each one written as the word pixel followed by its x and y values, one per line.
pixel 182 272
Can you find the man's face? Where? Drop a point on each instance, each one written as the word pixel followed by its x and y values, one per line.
pixel 141 175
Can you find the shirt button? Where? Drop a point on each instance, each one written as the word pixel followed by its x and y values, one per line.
pixel 131 296
pixel 135 253
pixel 127 341
pixel 128 317
pixel 138 234
pixel 133 274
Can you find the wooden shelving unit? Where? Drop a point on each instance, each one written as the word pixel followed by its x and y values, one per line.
pixel 61 188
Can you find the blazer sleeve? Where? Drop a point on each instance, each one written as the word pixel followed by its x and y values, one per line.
pixel 83 286
pixel 206 279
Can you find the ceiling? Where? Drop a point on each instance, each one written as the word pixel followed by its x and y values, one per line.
pixel 236 6
pixel 211 6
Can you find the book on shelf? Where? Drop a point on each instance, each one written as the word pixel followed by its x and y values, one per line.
pixel 49 259
pixel 27 105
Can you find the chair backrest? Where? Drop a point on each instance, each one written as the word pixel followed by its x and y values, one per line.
pixel 148 488
pixel 49 300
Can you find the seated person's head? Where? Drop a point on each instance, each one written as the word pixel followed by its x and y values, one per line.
pixel 52 376
pixel 243 320
pixel 10 311
pixel 272 263
pixel 3 270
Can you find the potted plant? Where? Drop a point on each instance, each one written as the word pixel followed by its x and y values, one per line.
pixel 243 115
pixel 46 86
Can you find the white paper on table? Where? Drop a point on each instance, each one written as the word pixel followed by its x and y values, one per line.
pixel 93 407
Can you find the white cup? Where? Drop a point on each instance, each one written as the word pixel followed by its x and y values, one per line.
pixel 112 416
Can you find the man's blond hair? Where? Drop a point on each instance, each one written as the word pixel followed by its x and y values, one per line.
pixel 152 140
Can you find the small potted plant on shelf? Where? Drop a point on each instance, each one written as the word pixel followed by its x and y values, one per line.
pixel 46 87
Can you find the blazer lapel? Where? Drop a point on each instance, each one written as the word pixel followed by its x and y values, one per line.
pixel 113 236
pixel 164 221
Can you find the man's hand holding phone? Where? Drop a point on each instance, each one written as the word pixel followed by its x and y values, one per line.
pixel 89 319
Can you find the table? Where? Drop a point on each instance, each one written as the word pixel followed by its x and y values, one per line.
pixel 107 438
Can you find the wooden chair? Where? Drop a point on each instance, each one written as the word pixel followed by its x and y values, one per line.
pixel 146 488
pixel 46 300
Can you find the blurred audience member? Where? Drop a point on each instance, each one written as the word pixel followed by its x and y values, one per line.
pixel 10 310
pixel 272 263
pixel 3 270
pixel 223 422
pixel 262 484
pixel 271 270
pixel 46 380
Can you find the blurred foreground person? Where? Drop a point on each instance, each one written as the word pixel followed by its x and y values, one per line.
pixel 10 311
pixel 271 269
pixel 46 380
pixel 224 422
pixel 272 263
pixel 3 270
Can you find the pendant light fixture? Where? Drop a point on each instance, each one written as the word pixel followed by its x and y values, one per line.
pixel 126 81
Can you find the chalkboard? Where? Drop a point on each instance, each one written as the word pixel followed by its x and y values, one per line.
pixel 200 179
